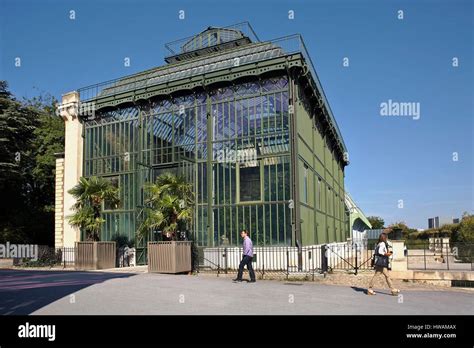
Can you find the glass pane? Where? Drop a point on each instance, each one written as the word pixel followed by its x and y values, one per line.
pixel 250 183
pixel 115 183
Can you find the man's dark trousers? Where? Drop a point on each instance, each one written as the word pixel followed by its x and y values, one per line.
pixel 246 261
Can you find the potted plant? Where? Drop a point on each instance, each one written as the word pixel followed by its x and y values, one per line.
pixel 90 194
pixel 169 209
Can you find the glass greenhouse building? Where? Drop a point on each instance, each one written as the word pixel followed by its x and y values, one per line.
pixel 245 121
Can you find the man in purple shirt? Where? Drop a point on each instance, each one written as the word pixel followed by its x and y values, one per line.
pixel 246 259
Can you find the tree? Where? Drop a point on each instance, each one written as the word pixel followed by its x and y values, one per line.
pixel 169 206
pixel 30 134
pixel 401 225
pixel 17 124
pixel 47 142
pixel 376 221
pixel 90 194
pixel 465 232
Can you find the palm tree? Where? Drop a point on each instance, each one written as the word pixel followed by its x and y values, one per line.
pixel 90 193
pixel 169 205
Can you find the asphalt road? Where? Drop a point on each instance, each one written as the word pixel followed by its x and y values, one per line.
pixel 52 292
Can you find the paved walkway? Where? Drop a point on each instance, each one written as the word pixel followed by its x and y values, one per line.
pixel 53 292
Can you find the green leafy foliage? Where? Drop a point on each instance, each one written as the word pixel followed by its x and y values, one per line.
pixel 90 194
pixel 376 221
pixel 464 233
pixel 169 206
pixel 30 135
pixel 406 231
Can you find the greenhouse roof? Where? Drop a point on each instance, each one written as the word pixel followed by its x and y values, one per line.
pixel 248 54
pixel 223 49
pixel 208 41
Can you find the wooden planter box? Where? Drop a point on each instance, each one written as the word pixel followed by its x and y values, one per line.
pixel 6 263
pixel 169 257
pixel 95 255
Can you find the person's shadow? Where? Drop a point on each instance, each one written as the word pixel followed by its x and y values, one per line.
pixel 364 290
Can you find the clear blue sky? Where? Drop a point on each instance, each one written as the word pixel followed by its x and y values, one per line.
pixel 407 60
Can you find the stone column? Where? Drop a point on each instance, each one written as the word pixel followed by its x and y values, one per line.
pixel 73 152
pixel 59 202
pixel 399 261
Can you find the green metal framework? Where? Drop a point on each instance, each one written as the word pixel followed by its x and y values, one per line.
pixel 356 218
pixel 248 125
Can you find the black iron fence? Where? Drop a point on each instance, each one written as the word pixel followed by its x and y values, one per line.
pixel 308 260
pixel 65 257
pixel 439 254
pixel 49 257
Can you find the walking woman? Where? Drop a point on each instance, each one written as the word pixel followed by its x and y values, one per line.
pixel 380 262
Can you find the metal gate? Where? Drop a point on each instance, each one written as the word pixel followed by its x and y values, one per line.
pixel 439 255
pixel 348 257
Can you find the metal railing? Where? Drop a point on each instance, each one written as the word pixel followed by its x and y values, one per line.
pixel 50 257
pixel 66 257
pixel 168 73
pixel 308 260
pixel 439 255
pixel 178 46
